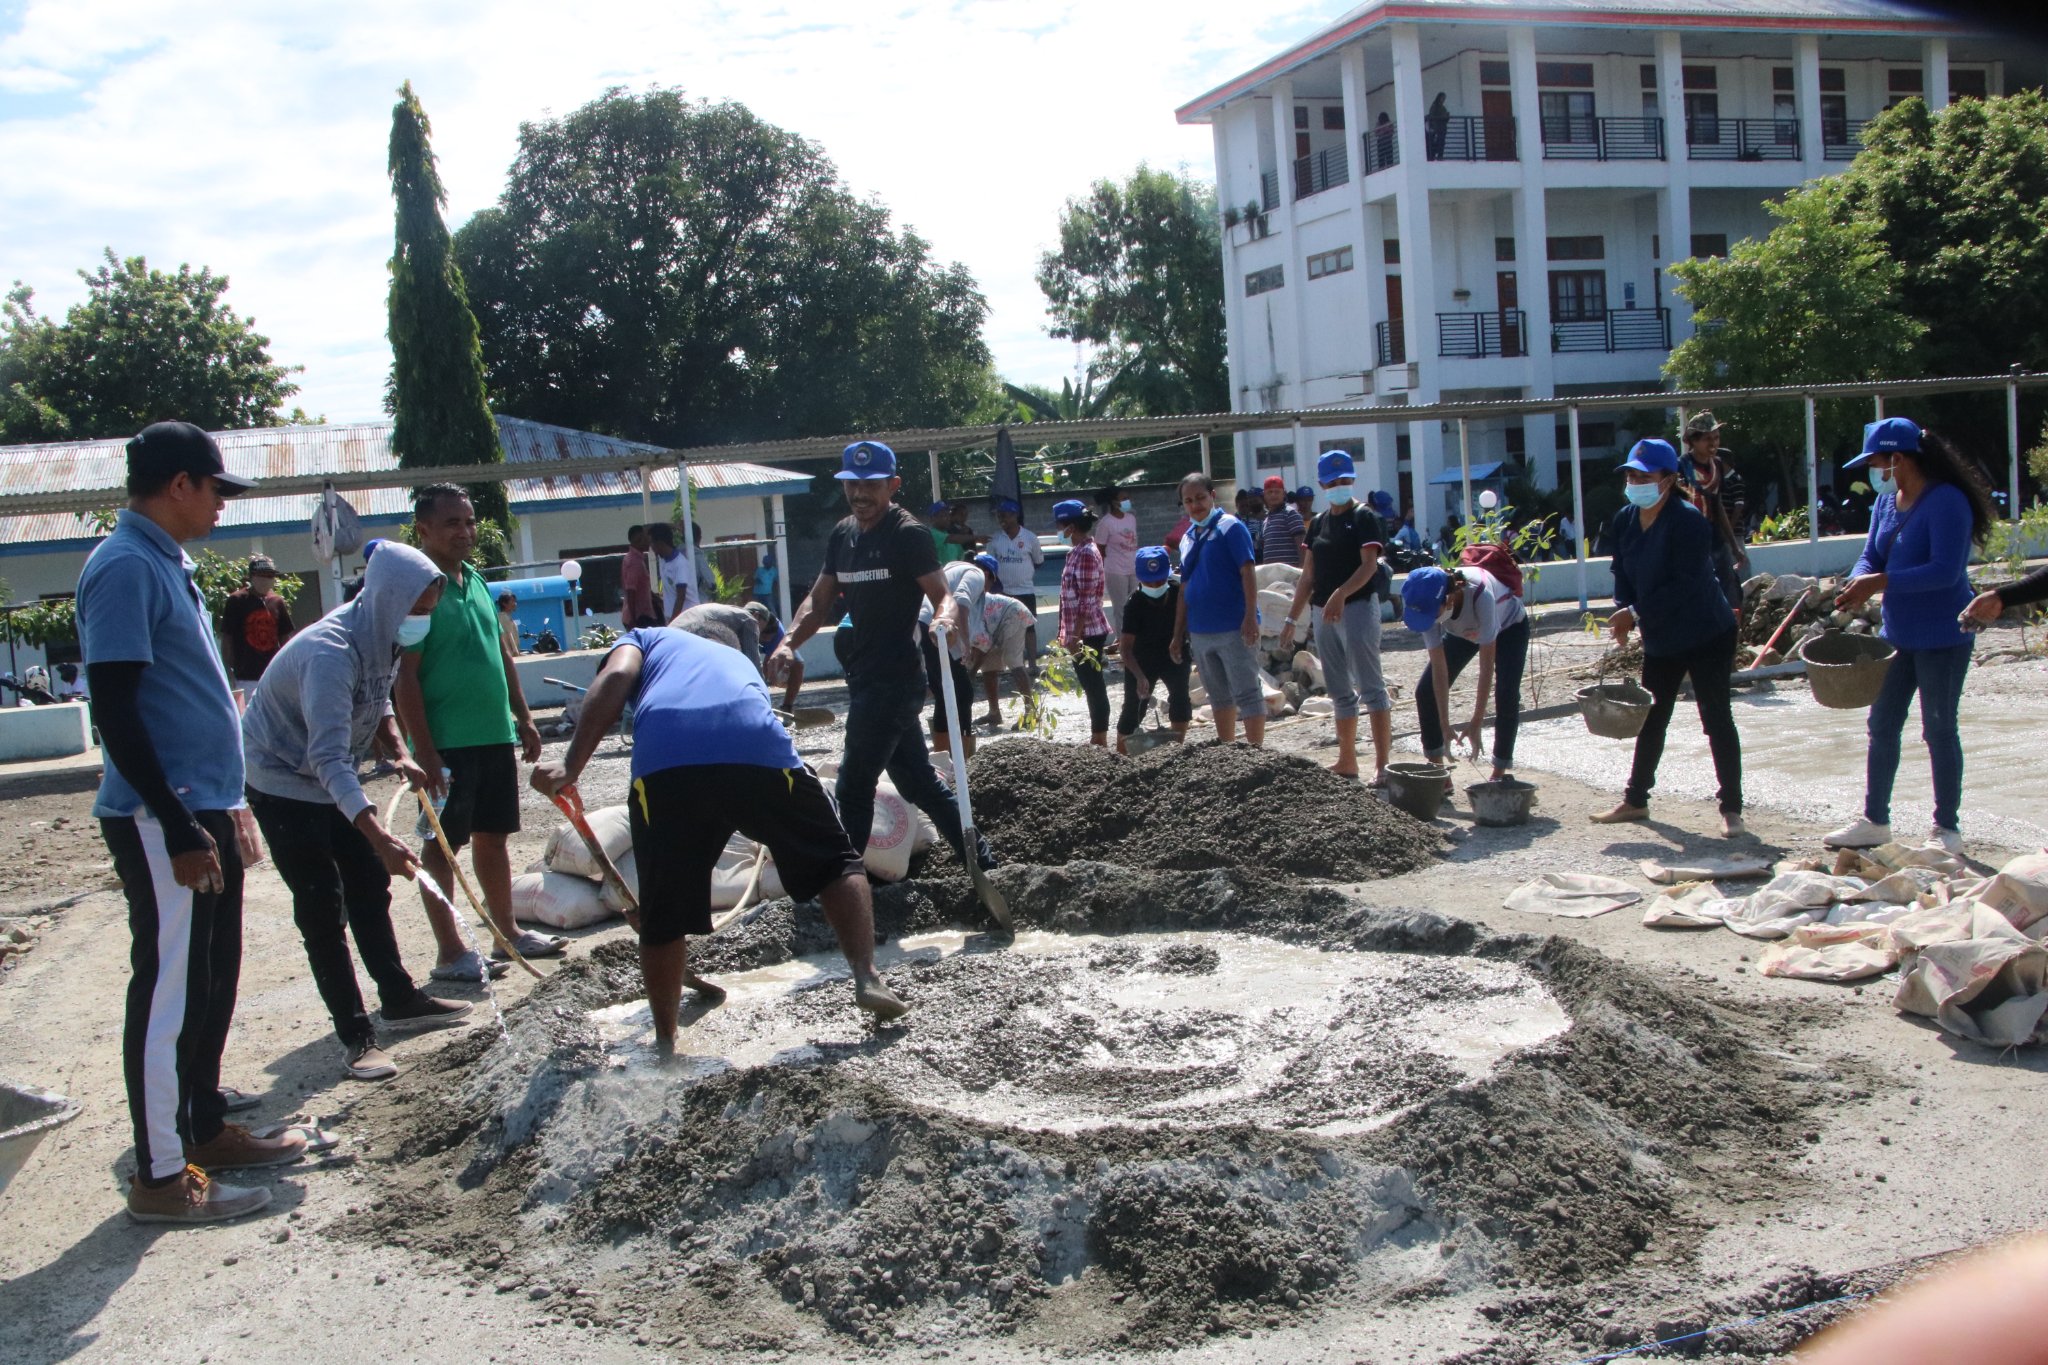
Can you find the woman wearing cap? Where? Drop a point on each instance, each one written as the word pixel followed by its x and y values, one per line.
pixel 1147 648
pixel 1340 575
pixel 1666 583
pixel 1463 614
pixel 1117 537
pixel 1217 621
pixel 1082 623
pixel 1931 508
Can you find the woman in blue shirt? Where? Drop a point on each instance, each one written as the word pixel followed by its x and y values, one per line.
pixel 1664 582
pixel 1931 508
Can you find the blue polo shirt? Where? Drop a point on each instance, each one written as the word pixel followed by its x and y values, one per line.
pixel 137 603
pixel 700 703
pixel 1214 586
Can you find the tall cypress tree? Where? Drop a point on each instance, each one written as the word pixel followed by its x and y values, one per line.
pixel 436 397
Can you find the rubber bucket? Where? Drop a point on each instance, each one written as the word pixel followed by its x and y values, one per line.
pixel 27 1116
pixel 1846 671
pixel 1418 788
pixel 1615 710
pixel 1506 802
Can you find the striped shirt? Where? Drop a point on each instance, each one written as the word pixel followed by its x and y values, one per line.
pixel 1081 588
pixel 1280 536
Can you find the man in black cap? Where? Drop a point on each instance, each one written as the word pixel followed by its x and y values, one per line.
pixel 255 622
pixel 1715 487
pixel 172 810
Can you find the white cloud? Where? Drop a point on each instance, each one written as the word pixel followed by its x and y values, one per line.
pixel 251 138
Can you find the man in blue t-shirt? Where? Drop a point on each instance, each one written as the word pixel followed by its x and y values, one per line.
pixel 171 809
pixel 709 758
pixel 1218 618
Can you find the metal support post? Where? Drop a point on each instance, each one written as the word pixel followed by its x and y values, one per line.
pixel 2012 442
pixel 1578 503
pixel 1465 466
pixel 1812 477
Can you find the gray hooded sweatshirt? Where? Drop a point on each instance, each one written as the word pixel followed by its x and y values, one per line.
pixel 318 706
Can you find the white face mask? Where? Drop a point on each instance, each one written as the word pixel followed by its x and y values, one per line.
pixel 1340 495
pixel 413 629
pixel 1152 589
pixel 1214 512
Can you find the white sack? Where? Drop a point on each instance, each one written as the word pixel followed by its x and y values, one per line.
pixel 558 900
pixel 1831 953
pixel 566 851
pixel 1318 706
pixel 1573 895
pixel 1279 577
pixel 1680 906
pixel 1991 989
pixel 2019 891
pixel 1704 870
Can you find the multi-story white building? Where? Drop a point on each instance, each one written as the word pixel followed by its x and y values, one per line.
pixel 1448 200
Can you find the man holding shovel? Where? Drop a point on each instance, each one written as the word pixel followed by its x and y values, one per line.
pixel 709 758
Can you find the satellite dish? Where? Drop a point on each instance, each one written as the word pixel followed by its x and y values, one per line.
pixel 337 531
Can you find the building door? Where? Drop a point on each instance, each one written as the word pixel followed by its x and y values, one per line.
pixel 1497 124
pixel 1508 298
pixel 1397 334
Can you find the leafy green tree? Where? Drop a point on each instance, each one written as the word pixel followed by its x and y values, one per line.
pixel 684 272
pixel 142 346
pixel 1816 301
pixel 440 415
pixel 1138 274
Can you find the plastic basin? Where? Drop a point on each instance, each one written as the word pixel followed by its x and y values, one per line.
pixel 27 1116
pixel 1846 671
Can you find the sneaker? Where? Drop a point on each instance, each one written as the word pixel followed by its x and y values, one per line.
pixel 1732 826
pixel 1859 834
pixel 470 967
pixel 1621 814
pixel 235 1148
pixel 1947 840
pixel 368 1062
pixel 424 1013
pixel 194 1197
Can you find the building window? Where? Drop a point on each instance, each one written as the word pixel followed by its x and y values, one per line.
pixel 1572 75
pixel 1390 251
pixel 1781 78
pixel 1503 248
pixel 1493 73
pixel 1902 82
pixel 1402 442
pixel 1578 295
pixel 1263 281
pixel 1329 263
pixel 1649 75
pixel 1514 440
pixel 1301 117
pixel 1700 77
pixel 1354 446
pixel 1567 115
pixel 1710 244
pixel 1333 118
pixel 1968 85
pixel 1577 248
pixel 1834 78
pixel 1273 457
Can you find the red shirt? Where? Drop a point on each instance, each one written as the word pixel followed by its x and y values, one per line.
pixel 1081 585
pixel 638 586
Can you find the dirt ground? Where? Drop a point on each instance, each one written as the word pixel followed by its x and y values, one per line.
pixel 1874 1141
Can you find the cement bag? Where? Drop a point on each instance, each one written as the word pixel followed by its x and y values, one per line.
pixel 1679 907
pixel 1991 989
pixel 1573 895
pixel 1279 577
pixel 1273 607
pixel 1273 695
pixel 557 900
pixel 1827 952
pixel 735 870
pixel 1318 706
pixel 888 857
pixel 2019 891
pixel 1311 668
pixel 1784 904
pixel 566 851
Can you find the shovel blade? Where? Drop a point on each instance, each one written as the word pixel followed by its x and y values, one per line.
pixel 991 899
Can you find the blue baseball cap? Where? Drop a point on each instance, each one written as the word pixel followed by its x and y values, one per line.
pixel 1335 465
pixel 370 547
pixel 867 460
pixel 1651 456
pixel 1010 505
pixel 1304 492
pixel 936 508
pixel 987 564
pixel 1422 597
pixel 1069 509
pixel 1153 565
pixel 1382 502
pixel 1893 433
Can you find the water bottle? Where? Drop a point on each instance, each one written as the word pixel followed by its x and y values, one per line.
pixel 424 827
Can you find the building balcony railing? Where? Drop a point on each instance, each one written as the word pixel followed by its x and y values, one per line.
pixel 1269 191
pixel 1325 170
pixel 1470 137
pixel 1742 139
pixel 1841 139
pixel 1389 343
pixel 1472 336
pixel 1382 149
pixel 1575 138
pixel 1620 329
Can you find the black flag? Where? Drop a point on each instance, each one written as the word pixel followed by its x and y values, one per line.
pixel 1006 484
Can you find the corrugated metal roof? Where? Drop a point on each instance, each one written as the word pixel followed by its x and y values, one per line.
pixel 365 447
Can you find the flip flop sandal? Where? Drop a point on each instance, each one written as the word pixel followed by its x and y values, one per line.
pixel 317 1139
pixel 239 1101
pixel 532 945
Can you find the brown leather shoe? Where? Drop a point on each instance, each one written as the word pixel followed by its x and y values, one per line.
pixel 236 1148
pixel 192 1198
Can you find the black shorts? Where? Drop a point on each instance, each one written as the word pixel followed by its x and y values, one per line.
pixel 483 791
pixel 682 818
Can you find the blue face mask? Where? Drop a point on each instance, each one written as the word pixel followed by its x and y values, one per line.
pixel 1152 589
pixel 1882 482
pixel 1124 506
pixel 1643 495
pixel 1340 495
pixel 1210 520
pixel 413 629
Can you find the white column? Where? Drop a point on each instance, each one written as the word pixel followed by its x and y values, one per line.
pixel 1233 276
pixel 526 554
pixel 1205 456
pixel 933 456
pixel 1806 90
pixel 1812 478
pixel 1289 348
pixel 1578 503
pixel 2012 446
pixel 1674 198
pixel 1360 220
pixel 781 533
pixel 1934 73
pixel 1412 212
pixel 1304 460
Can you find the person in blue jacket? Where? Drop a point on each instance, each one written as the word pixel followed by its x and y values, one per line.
pixel 1931 508
pixel 1665 585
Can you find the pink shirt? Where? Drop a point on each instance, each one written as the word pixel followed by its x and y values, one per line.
pixel 1119 539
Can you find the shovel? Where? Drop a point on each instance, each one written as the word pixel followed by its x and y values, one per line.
pixel 439 897
pixel 991 898
pixel 570 802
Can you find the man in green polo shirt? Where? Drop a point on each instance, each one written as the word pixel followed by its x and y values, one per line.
pixel 459 698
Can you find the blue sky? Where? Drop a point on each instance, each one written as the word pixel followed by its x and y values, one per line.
pixel 251 138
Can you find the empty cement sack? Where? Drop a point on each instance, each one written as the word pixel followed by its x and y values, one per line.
pixel 1573 895
pixel 1278 577
pixel 1831 952
pixel 566 851
pixel 900 829
pixel 1991 988
pixel 558 900
pixel 1680 907
pixel 735 871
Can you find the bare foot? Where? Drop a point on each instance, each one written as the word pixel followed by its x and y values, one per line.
pixel 708 992
pixel 1343 769
pixel 877 999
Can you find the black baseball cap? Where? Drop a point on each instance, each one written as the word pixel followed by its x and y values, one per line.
pixel 167 448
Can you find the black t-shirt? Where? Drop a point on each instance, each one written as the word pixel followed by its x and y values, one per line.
pixel 1149 623
pixel 877 570
pixel 1336 539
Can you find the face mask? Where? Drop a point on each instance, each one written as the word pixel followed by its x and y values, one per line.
pixel 1643 495
pixel 1340 496
pixel 1152 589
pixel 1124 506
pixel 1210 520
pixel 413 629
pixel 1882 482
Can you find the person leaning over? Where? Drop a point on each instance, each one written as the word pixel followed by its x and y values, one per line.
pixel 968 587
pixel 1931 509
pixel 770 632
pixel 1665 582
pixel 170 808
pixel 1147 649
pixel 1084 627
pixel 315 715
pixel 1341 577
pixel 1013 643
pixel 709 759
pixel 1463 614
pixel 459 699
pixel 1217 620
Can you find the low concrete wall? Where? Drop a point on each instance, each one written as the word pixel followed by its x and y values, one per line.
pixel 33 732
pixel 1559 582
